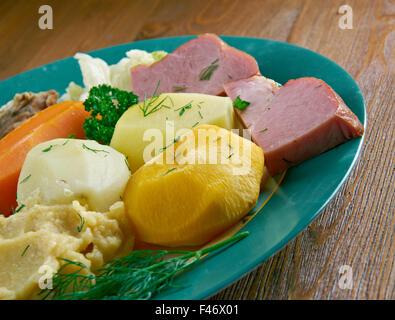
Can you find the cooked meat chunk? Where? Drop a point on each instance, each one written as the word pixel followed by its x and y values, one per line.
pixel 24 106
pixel 201 65
pixel 295 122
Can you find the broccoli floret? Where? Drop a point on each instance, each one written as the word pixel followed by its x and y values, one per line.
pixel 106 105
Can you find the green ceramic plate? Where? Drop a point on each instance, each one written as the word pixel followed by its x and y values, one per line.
pixel 305 190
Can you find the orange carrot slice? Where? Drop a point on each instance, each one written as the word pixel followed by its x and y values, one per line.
pixel 58 121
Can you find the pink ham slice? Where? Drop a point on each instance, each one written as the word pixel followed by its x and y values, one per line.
pixel 295 122
pixel 183 70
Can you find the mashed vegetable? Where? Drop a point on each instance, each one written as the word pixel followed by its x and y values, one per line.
pixel 96 71
pixel 33 240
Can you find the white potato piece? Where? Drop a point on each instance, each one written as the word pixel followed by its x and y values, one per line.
pixel 71 169
pixel 146 129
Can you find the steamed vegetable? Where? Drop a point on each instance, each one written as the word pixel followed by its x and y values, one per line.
pixel 151 126
pixel 72 169
pixel 57 121
pixel 96 71
pixel 106 105
pixel 212 183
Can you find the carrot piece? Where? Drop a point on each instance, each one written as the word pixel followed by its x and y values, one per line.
pixel 58 121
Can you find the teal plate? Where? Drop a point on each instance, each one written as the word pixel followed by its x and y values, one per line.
pixel 305 190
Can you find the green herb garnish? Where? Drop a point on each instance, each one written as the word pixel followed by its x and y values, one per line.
pixel 170 144
pixel 25 179
pixel 140 275
pixel 240 104
pixel 263 130
pixel 106 105
pixel 24 251
pixel 206 73
pixel 184 108
pixel 81 226
pixel 68 138
pixel 93 150
pixel 17 209
pixel 197 123
pixel 48 149
pixel 178 89
pixel 168 171
pixel 150 106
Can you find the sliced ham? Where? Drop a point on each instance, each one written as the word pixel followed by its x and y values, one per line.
pixel 295 122
pixel 201 65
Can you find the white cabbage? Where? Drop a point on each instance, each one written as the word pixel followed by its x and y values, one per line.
pixel 96 71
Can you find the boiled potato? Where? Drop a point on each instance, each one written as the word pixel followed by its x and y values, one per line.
pixel 146 129
pixel 212 183
pixel 72 169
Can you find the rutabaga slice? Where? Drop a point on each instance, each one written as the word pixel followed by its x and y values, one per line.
pixel 71 169
pixel 149 128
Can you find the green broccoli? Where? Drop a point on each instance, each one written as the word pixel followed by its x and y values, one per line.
pixel 106 105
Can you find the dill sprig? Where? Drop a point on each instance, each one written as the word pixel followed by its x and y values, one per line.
pixel 81 226
pixel 178 89
pixel 24 251
pixel 176 139
pixel 25 179
pixel 49 148
pixel 150 106
pixel 168 171
pixel 206 73
pixel 84 146
pixel 140 275
pixel 184 108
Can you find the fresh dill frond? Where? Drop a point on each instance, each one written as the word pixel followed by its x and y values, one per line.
pixel 68 139
pixel 184 108
pixel 168 171
pixel 24 251
pixel 150 106
pixel 13 210
pixel 84 146
pixel 25 179
pixel 140 275
pixel 178 89
pixel 170 144
pixel 206 73
pixel 49 148
pixel 82 220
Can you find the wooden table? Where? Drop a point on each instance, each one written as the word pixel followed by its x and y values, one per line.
pixel 357 227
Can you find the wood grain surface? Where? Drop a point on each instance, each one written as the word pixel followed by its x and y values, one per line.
pixel 357 227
